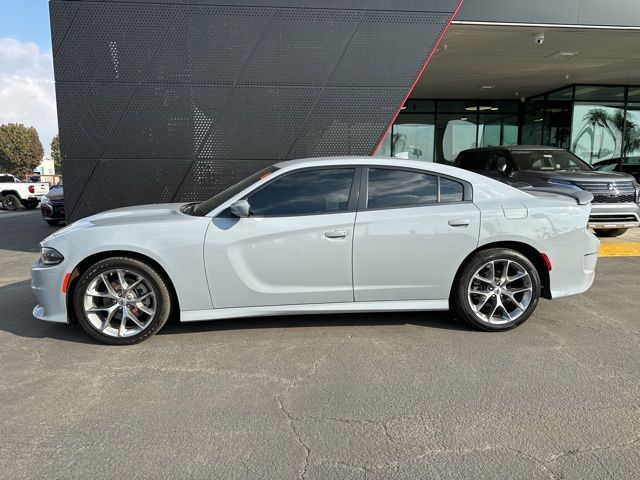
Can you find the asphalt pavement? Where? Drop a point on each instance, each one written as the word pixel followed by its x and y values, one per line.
pixel 402 395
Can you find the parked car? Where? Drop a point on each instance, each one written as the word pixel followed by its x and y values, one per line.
pixel 616 203
pixel 13 192
pixel 625 165
pixel 52 205
pixel 321 236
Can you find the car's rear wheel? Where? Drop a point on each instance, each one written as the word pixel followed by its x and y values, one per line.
pixel 610 232
pixel 53 223
pixel 497 289
pixel 10 202
pixel 30 205
pixel 121 301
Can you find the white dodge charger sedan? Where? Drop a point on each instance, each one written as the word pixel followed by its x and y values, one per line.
pixel 323 235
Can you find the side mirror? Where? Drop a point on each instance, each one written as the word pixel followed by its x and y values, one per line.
pixel 501 165
pixel 241 208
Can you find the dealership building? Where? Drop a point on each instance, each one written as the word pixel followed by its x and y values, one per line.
pixel 174 100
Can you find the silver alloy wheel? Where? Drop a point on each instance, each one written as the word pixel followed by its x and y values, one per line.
pixel 500 292
pixel 120 303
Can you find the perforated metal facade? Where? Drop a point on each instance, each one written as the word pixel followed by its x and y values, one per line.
pixel 163 101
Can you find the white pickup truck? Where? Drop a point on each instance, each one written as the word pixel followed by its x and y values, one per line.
pixel 13 192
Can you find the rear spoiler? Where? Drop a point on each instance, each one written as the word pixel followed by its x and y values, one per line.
pixel 581 196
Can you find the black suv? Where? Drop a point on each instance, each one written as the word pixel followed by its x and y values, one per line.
pixel 616 202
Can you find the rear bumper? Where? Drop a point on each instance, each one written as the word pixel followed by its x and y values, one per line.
pixel 46 283
pixel 573 257
pixel 621 215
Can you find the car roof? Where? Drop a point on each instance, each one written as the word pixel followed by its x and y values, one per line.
pixel 513 148
pixel 475 179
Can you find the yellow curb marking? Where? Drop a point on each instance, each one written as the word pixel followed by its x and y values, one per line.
pixel 621 249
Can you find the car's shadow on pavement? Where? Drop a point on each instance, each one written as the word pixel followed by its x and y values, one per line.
pixel 16 303
pixel 438 320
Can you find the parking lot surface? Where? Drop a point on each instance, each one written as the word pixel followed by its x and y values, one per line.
pixel 402 395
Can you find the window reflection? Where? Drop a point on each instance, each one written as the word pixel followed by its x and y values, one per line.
pixel 304 193
pixel 597 131
pixel 414 140
pixel 399 188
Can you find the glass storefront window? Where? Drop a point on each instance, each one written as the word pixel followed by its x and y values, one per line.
pixel 533 118
pixel 413 137
pixel 489 130
pixel 631 149
pixel 454 133
pixel 596 93
pixel 596 131
pixel 510 130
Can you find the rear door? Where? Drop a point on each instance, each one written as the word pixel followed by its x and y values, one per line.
pixel 413 229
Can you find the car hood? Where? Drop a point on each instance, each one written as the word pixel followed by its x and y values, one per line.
pixel 580 176
pixel 56 194
pixel 130 216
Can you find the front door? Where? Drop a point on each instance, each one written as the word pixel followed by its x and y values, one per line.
pixel 294 248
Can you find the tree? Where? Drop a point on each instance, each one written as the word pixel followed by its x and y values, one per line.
pixel 55 154
pixel 20 149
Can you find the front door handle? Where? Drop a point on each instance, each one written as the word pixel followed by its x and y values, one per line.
pixel 459 222
pixel 335 234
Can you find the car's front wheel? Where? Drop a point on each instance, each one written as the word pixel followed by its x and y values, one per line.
pixel 121 300
pixel 497 289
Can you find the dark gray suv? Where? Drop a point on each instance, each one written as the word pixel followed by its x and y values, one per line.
pixel 616 202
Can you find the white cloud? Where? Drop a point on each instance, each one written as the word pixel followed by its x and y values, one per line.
pixel 27 89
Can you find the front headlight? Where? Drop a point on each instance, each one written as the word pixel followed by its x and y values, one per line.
pixel 45 200
pixel 559 181
pixel 50 256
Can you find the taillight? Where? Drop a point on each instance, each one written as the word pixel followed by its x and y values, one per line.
pixel 32 189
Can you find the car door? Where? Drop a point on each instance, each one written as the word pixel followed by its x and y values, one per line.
pixel 413 230
pixel 294 248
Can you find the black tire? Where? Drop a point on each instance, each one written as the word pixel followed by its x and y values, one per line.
pixel 10 202
pixel 155 282
pixel 53 223
pixel 30 205
pixel 610 232
pixel 460 299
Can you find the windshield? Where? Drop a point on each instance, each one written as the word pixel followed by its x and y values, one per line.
pixel 547 160
pixel 201 209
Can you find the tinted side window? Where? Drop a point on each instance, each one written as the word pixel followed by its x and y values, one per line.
pixel 304 193
pixel 400 188
pixel 6 178
pixel 450 190
pixel 474 160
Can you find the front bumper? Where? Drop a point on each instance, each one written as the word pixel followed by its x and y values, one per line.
pixel 46 284
pixel 52 211
pixel 620 215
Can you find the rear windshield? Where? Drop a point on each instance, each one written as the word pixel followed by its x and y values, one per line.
pixel 548 160
pixel 205 207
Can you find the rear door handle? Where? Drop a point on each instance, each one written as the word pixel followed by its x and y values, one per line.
pixel 459 222
pixel 335 234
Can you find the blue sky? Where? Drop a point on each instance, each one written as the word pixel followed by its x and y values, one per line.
pixel 26 20
pixel 27 90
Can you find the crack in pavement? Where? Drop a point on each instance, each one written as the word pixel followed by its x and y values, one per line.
pixel 307 450
pixel 290 418
pixel 577 451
